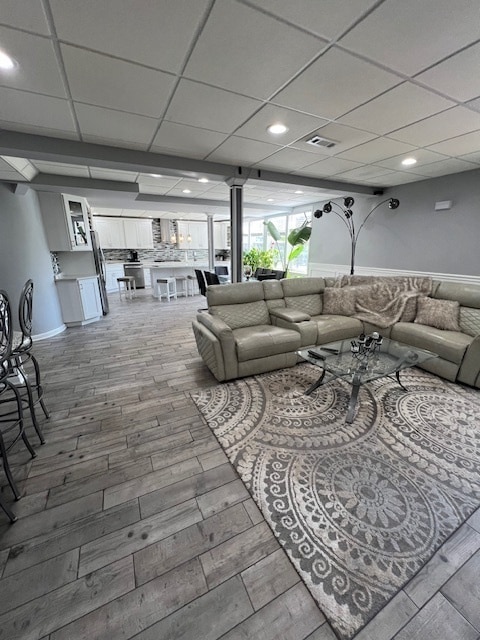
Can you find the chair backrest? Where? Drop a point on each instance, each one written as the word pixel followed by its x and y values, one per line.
pixel 221 270
pixel 201 281
pixel 259 271
pixel 266 276
pixel 25 311
pixel 6 327
pixel 279 275
pixel 211 278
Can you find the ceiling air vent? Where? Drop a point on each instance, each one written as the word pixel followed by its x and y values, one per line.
pixel 318 141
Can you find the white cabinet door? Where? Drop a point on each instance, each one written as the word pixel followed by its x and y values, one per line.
pixel 220 235
pixel 110 232
pixel 65 220
pixel 90 298
pixel 138 234
pixel 113 271
pixel 198 233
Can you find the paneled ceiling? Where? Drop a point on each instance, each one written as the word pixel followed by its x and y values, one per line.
pixel 192 85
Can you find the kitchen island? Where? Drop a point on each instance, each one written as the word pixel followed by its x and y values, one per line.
pixel 173 269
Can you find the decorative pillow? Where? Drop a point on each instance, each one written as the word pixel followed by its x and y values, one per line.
pixel 441 314
pixel 339 302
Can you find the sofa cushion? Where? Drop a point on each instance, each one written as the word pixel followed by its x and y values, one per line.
pixel 247 314
pixel 470 321
pixel 468 295
pixel 264 340
pixel 235 293
pixel 311 304
pixel 450 345
pixel 302 286
pixel 410 310
pixel 332 328
pixel 441 314
pixel 340 302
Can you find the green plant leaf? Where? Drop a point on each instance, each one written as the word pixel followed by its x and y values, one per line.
pixel 295 252
pixel 299 236
pixel 273 231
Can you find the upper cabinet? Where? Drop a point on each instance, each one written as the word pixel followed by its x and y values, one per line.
pixel 221 235
pixel 124 233
pixel 192 235
pixel 65 221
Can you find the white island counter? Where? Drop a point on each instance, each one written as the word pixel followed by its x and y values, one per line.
pixel 172 269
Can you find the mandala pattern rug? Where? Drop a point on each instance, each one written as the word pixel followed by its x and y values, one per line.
pixel 360 507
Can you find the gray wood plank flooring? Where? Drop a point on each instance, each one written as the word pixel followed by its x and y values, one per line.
pixel 133 524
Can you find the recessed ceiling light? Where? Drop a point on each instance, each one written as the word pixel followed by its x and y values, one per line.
pixel 186 191
pixel 155 175
pixel 270 200
pixel 277 128
pixel 6 62
pixel 408 162
pixel 298 192
pixel 203 179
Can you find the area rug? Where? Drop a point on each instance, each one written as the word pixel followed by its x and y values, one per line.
pixel 360 507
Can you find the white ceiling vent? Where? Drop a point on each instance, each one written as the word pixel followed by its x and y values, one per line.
pixel 318 141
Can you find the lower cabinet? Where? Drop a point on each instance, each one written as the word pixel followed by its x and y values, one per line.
pixel 79 300
pixel 113 271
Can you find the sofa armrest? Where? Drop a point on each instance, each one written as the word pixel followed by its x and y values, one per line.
pixel 290 315
pixel 307 329
pixel 224 334
pixel 469 372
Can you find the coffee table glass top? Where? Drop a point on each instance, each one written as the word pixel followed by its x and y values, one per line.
pixel 359 363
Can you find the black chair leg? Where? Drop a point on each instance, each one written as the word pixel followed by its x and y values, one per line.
pixel 11 516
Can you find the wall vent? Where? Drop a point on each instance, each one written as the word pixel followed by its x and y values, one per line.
pixel 318 141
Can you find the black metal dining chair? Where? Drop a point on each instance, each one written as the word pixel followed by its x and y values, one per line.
pixel 202 286
pixel 23 362
pixel 11 405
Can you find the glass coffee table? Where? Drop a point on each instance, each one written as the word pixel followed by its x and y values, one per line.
pixel 362 360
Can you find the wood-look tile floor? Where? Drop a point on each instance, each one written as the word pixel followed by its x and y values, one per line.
pixel 133 524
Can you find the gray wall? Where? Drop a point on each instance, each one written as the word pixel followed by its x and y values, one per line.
pixel 413 237
pixel 24 254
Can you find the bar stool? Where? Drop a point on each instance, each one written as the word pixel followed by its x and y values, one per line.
pixel 167 288
pixel 187 285
pixel 191 283
pixel 129 286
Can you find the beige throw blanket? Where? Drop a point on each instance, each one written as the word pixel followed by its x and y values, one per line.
pixel 384 301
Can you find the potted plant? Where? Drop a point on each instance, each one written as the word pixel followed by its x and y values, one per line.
pixel 297 239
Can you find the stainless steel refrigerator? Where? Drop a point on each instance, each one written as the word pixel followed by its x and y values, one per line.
pixel 99 260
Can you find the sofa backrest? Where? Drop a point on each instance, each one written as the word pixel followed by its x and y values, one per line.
pixel 304 294
pixel 273 292
pixel 239 305
pixel 468 295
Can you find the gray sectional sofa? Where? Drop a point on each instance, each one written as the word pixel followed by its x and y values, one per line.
pixel 255 327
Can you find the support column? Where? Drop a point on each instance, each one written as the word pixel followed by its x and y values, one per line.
pixel 211 242
pixel 236 226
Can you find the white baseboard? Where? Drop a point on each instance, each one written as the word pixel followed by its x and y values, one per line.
pixel 49 334
pixel 333 270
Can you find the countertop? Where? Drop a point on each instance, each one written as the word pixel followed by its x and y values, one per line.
pixel 63 276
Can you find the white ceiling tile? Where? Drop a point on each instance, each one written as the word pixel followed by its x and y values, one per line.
pixel 328 167
pixel 459 146
pixel 471 157
pixel 422 156
pixel 247 51
pixel 157 34
pixel 208 108
pixel 452 165
pixel 410 35
pixel 343 137
pixel 180 139
pixel 238 150
pixel 398 177
pixel 154 189
pixel 299 125
pixel 334 84
pixel 39 131
pixel 37 67
pixel 110 174
pixel 454 76
pixel 35 110
pixel 376 150
pixel 367 172
pixel 474 104
pixel 116 84
pixel 396 108
pixel 115 125
pixel 60 169
pixel 27 14
pixel 289 160
pixel 333 18
pixel 439 127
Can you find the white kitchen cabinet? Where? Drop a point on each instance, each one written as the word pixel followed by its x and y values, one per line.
pixel 197 232
pixel 221 235
pixel 124 233
pixel 112 272
pixel 79 299
pixel 65 220
pixel 110 232
pixel 138 233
